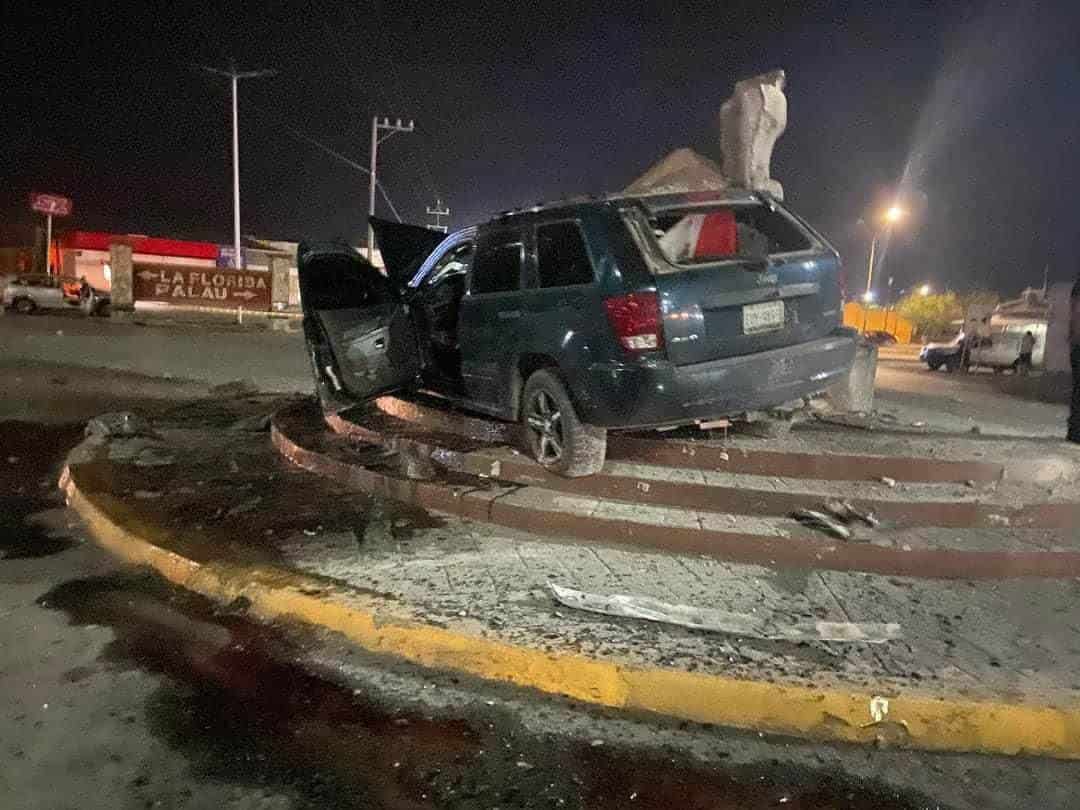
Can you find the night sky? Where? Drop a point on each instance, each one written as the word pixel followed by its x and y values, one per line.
pixel 975 105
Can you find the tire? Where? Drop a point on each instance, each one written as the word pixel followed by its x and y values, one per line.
pixel 555 436
pixel 934 366
pixel 25 306
pixel 952 364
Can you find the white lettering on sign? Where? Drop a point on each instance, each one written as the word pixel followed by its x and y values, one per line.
pixel 202 285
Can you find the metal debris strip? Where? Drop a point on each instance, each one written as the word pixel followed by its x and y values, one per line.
pixel 822 522
pixel 772 628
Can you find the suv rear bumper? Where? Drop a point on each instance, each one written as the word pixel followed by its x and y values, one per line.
pixel 659 393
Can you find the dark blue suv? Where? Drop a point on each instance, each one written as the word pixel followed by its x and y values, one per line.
pixel 575 318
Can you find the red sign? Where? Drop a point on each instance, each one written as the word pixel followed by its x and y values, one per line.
pixel 51 204
pixel 201 286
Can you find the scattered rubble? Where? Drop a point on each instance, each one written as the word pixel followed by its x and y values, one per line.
pixel 772 627
pixel 822 522
pixel 845 511
pixel 119 424
pixel 258 423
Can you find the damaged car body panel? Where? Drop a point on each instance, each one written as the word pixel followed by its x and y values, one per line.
pixel 609 313
pixel 360 337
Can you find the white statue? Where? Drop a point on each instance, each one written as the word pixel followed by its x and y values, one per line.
pixel 750 123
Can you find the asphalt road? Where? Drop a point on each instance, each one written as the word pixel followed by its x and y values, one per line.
pixel 212 351
pixel 216 353
pixel 962 401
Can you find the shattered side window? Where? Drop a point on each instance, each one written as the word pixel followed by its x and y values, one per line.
pixel 698 236
pixel 498 265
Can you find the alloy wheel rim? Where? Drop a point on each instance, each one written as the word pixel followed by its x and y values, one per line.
pixel 544 421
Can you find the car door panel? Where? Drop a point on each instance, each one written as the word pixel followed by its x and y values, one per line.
pixel 358 330
pixel 375 347
pixel 491 317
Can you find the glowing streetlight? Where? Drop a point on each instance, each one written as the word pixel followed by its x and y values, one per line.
pixel 892 215
pixel 924 290
pixel 868 296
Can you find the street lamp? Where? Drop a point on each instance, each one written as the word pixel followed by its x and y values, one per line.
pixel 868 296
pixel 892 215
pixel 924 290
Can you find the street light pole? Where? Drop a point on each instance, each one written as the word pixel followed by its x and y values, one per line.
pixel 234 76
pixel 236 174
pixel 870 269
pixel 48 243
pixel 371 186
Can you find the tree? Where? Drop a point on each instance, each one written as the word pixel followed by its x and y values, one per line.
pixel 931 314
pixel 980 298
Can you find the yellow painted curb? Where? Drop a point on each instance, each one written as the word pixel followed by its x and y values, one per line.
pixel 939 723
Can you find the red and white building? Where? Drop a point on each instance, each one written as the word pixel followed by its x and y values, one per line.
pixel 86 253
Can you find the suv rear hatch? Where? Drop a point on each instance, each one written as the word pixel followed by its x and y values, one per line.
pixel 736 275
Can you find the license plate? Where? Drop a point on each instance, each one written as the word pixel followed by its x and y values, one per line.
pixel 762 317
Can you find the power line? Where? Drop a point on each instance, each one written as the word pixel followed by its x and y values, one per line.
pixel 347 161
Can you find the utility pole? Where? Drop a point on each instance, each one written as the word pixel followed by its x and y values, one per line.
pixel 235 77
pixel 392 128
pixel 438 212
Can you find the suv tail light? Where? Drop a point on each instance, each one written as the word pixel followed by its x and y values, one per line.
pixel 635 317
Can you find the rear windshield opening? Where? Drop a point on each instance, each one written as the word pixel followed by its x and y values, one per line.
pixel 696 236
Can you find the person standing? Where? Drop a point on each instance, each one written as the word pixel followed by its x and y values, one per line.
pixel 1027 349
pixel 1074 357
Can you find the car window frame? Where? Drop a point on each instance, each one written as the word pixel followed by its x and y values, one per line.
pixel 451 242
pixel 522 242
pixel 431 277
pixel 641 230
pixel 576 222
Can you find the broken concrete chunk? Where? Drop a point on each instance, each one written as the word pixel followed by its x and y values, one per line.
pixel 257 423
pixel 118 424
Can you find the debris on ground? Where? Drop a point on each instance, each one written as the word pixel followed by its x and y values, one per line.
pixel 889 482
pixel 257 423
pixel 822 522
pixel 234 389
pixel 774 627
pixel 848 513
pixel 244 506
pixel 119 425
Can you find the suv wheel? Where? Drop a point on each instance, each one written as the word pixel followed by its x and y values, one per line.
pixel 557 439
pixel 25 306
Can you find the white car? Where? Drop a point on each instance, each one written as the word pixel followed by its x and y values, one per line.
pixel 26 294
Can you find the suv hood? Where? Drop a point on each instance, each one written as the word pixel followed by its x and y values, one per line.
pixel 403 247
